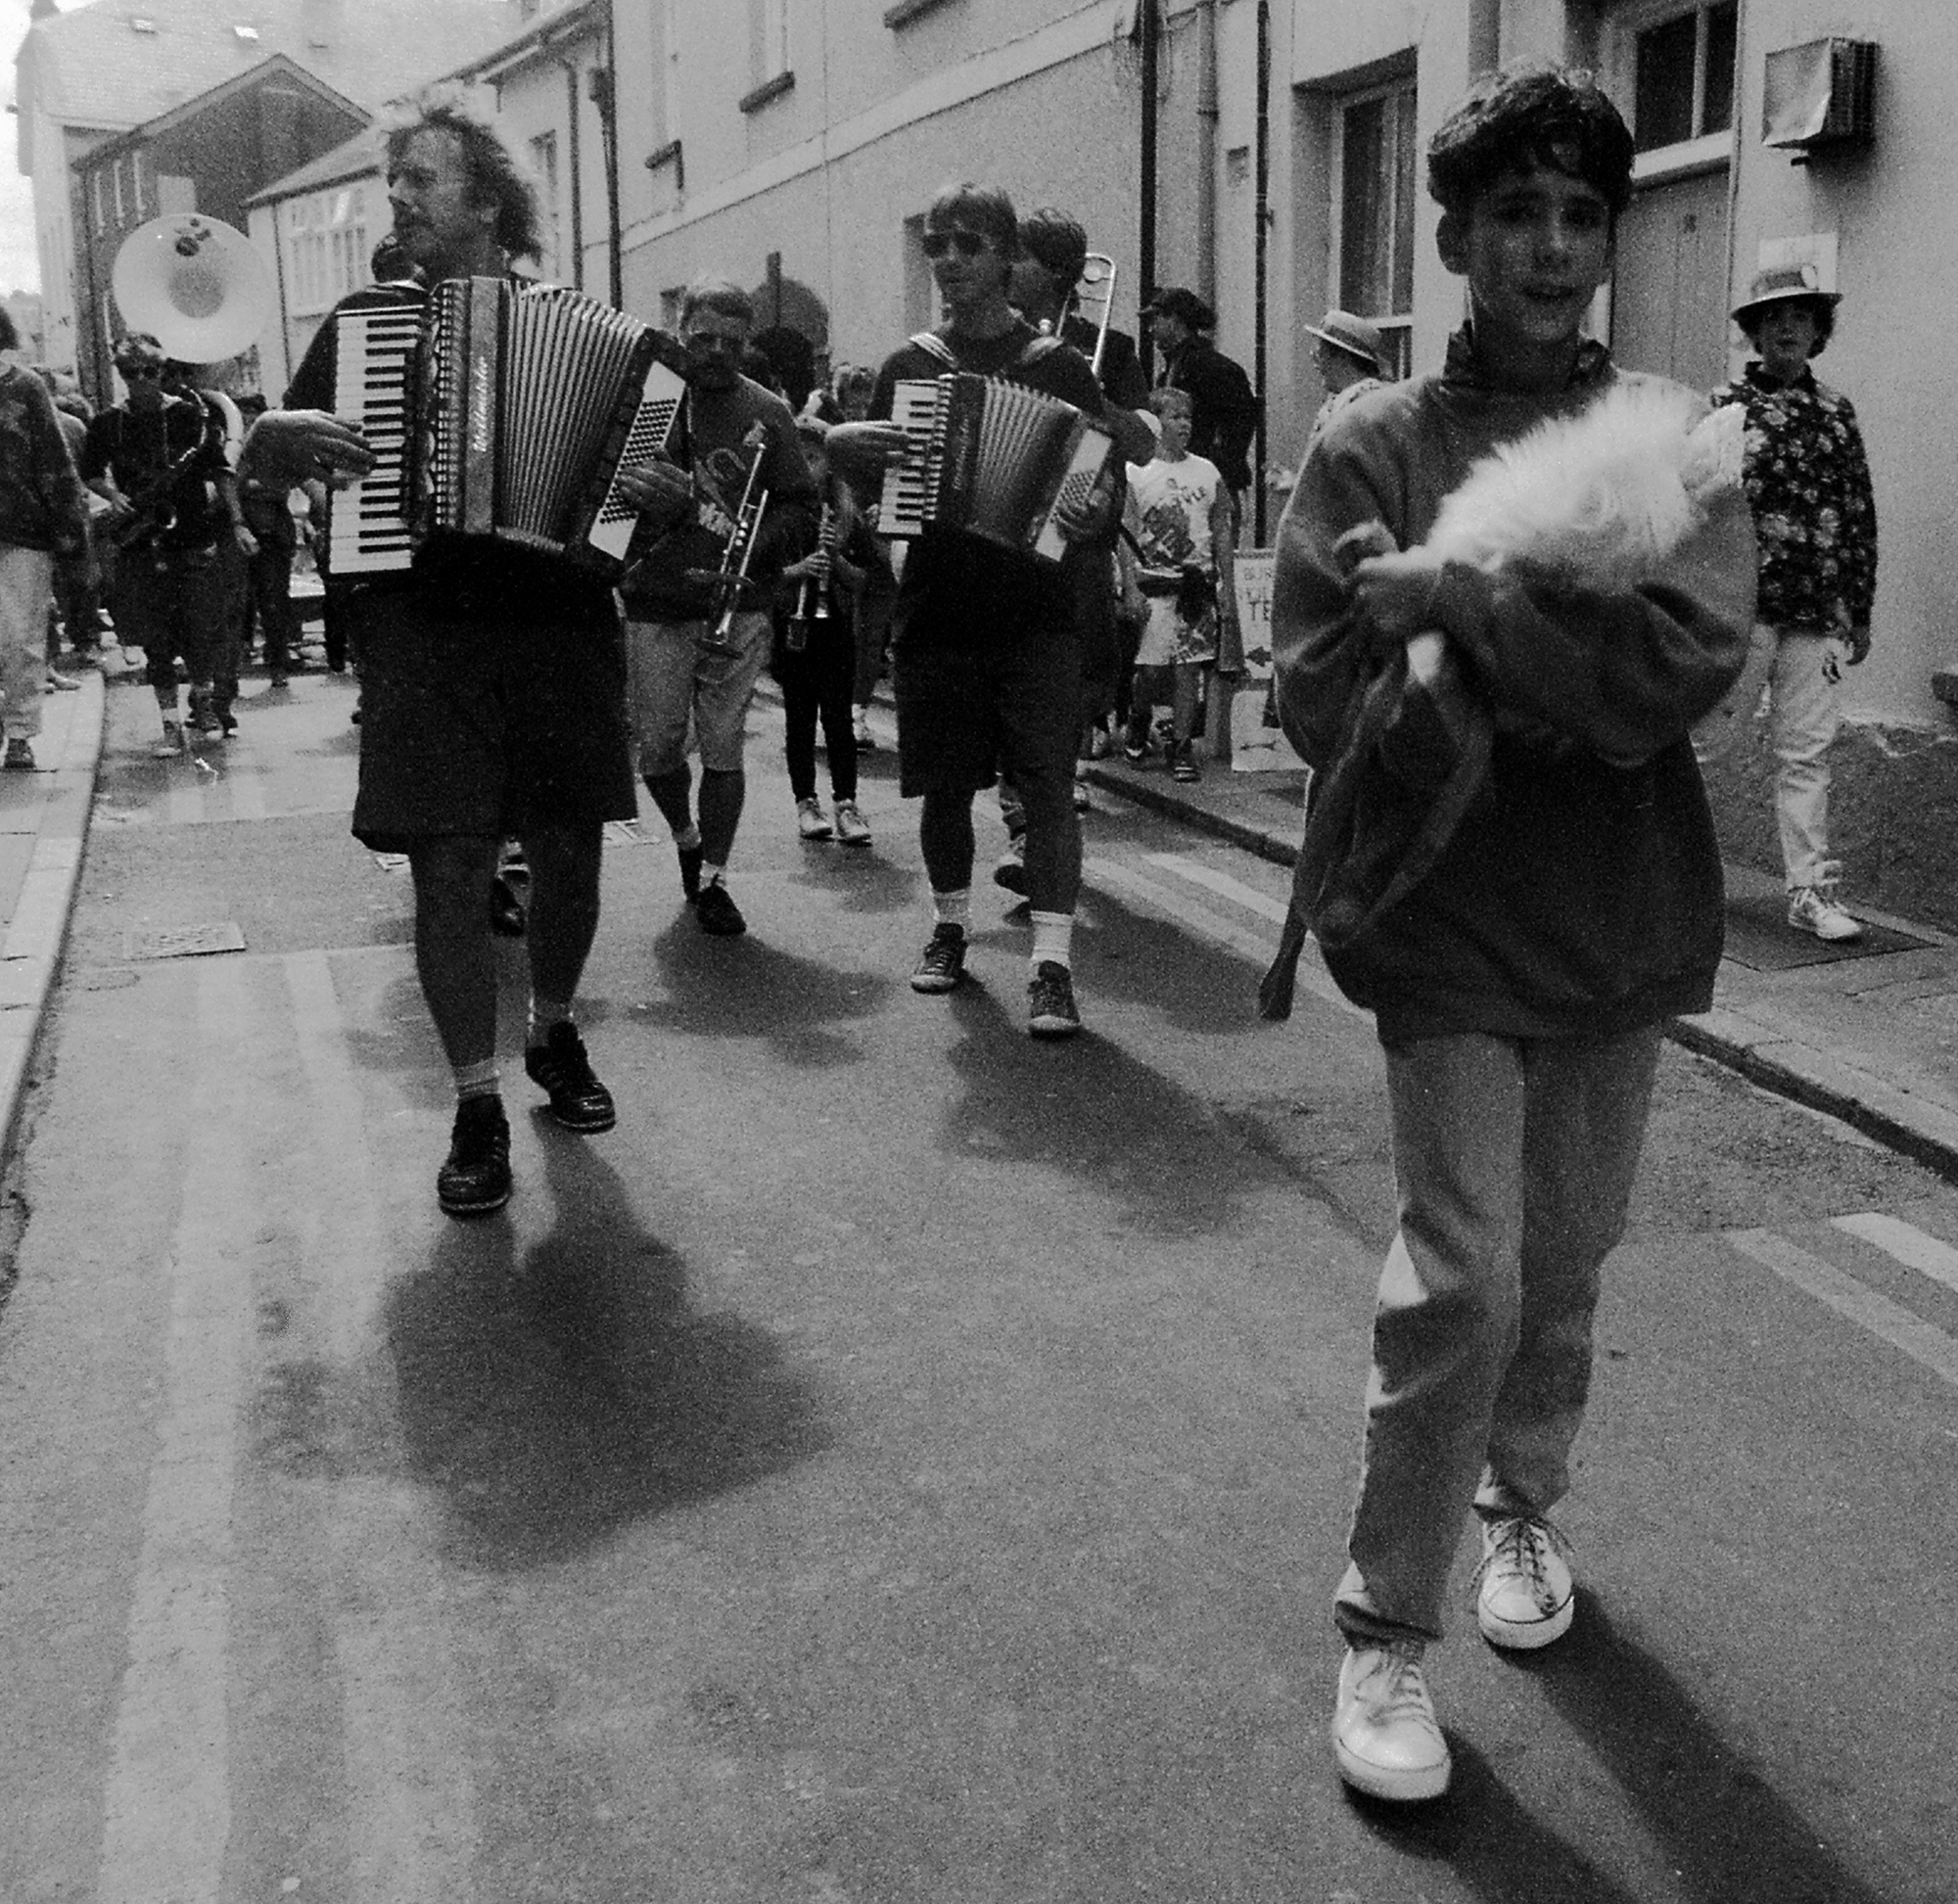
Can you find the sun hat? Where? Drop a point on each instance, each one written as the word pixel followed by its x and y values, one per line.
pixel 1784 284
pixel 1352 335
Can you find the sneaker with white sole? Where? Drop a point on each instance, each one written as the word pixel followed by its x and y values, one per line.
pixel 1813 908
pixel 942 965
pixel 1525 1596
pixel 1050 1008
pixel 171 742
pixel 810 822
pixel 1385 1737
pixel 851 828
pixel 1010 871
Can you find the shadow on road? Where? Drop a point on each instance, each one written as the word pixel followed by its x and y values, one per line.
pixel 1734 1838
pixel 553 1398
pixel 1086 1107
pixel 1714 1819
pixel 747 988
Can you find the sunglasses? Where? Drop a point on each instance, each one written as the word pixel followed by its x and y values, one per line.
pixel 967 243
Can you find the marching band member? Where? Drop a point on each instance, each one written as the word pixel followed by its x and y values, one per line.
pixel 697 624
pixel 493 695
pixel 986 662
pixel 155 461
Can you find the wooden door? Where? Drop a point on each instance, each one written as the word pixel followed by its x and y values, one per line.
pixel 1670 296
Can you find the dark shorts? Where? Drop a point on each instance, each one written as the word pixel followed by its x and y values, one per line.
pixel 478 726
pixel 966 715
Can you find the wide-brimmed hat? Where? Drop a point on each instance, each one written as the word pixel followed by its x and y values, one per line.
pixel 1185 306
pixel 1785 284
pixel 1352 335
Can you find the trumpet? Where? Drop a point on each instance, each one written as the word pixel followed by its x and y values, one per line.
pixel 813 599
pixel 1095 291
pixel 732 574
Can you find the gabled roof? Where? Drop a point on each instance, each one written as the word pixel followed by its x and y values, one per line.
pixel 97 66
pixel 278 67
pixel 360 157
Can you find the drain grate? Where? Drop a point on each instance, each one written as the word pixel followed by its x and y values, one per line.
pixel 185 941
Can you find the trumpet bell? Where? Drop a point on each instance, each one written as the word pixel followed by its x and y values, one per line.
pixel 194 284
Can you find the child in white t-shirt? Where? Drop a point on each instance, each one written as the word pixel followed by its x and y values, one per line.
pixel 1177 578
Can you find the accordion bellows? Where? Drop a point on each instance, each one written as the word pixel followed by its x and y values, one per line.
pixel 992 458
pixel 501 411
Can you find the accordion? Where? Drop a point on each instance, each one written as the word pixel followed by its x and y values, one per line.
pixel 992 458
pixel 494 411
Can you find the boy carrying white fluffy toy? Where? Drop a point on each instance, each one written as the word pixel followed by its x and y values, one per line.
pixel 1515 866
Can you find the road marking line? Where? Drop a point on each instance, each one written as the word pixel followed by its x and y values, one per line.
pixel 1888 1320
pixel 1907 1244
pixel 167 1802
pixel 1195 872
pixel 411 1802
pixel 1214 926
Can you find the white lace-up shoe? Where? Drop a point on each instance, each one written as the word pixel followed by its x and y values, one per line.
pixel 1524 1598
pixel 810 822
pixel 1385 1737
pixel 1812 909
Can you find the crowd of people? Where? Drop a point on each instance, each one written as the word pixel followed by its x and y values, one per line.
pixel 1511 752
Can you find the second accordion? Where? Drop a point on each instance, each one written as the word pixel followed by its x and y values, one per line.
pixel 992 458
pixel 497 410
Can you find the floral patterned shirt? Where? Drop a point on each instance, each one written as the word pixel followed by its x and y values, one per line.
pixel 42 502
pixel 1815 516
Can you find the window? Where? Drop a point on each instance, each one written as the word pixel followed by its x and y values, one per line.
pixel 327 254
pixel 1374 202
pixel 544 169
pixel 1683 76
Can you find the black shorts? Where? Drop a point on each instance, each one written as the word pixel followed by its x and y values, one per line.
pixel 966 715
pixel 473 722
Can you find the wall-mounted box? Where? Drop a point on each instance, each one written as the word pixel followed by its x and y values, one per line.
pixel 1818 95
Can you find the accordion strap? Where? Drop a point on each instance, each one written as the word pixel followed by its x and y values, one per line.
pixel 1036 348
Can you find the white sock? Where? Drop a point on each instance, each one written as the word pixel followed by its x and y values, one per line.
pixel 954 908
pixel 477 1081
pixel 712 875
pixel 1053 938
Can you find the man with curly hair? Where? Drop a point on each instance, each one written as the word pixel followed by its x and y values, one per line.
pixel 492 694
pixel 1521 986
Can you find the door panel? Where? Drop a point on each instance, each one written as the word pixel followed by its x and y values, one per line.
pixel 1669 298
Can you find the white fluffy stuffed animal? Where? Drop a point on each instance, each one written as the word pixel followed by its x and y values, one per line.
pixel 1602 497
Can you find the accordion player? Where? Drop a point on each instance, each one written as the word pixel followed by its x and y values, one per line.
pixel 990 457
pixel 496 410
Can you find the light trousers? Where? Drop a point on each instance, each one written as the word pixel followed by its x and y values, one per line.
pixel 1513 1160
pixel 27 580
pixel 1793 666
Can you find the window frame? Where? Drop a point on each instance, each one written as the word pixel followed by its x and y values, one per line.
pixel 1396 327
pixel 1703 151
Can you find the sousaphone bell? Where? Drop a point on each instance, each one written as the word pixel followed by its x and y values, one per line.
pixel 195 284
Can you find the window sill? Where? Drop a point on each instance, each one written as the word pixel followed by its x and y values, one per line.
pixel 753 102
pixel 905 10
pixel 1690 155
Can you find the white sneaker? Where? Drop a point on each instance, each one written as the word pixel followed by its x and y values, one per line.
pixel 851 828
pixel 1810 909
pixel 810 822
pixel 171 742
pixel 1385 1737
pixel 1524 1598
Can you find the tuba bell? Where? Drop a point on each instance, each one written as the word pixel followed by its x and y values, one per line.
pixel 195 284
